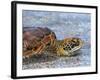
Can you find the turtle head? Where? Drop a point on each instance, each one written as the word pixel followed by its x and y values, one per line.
pixel 69 45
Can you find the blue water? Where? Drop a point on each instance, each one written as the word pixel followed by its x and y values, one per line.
pixel 63 24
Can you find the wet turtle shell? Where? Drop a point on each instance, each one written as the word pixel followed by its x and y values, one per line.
pixel 32 36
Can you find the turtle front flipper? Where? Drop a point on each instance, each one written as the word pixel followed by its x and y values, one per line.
pixel 40 47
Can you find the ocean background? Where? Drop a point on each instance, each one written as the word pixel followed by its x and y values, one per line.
pixel 64 24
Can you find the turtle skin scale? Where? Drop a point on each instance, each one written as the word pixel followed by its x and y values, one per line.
pixel 37 40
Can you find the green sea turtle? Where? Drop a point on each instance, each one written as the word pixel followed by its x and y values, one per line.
pixel 38 40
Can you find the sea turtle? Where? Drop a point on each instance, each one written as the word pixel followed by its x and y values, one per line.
pixel 37 40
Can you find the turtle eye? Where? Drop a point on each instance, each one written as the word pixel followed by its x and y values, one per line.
pixel 75 42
